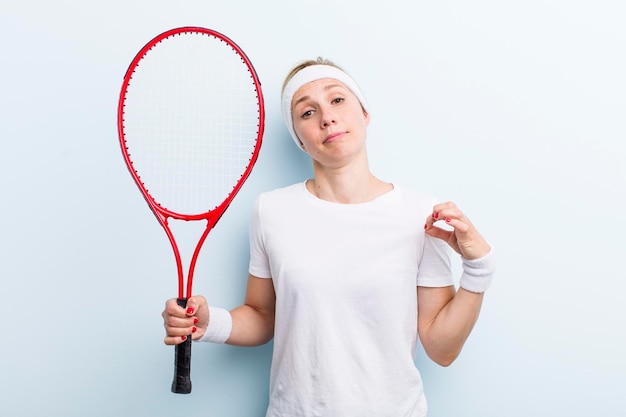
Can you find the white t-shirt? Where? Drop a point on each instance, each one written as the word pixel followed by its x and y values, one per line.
pixel 346 307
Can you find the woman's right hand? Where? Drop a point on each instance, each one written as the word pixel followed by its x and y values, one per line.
pixel 181 322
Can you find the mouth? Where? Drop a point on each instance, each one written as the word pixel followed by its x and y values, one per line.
pixel 333 137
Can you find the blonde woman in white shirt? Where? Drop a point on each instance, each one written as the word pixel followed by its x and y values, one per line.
pixel 346 271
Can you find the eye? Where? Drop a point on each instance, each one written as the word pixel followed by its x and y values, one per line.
pixel 337 100
pixel 307 114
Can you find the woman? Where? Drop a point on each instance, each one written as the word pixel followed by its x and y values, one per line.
pixel 346 271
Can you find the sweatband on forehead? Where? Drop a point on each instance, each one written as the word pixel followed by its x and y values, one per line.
pixel 307 75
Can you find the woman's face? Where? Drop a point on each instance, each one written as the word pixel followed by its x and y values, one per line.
pixel 329 120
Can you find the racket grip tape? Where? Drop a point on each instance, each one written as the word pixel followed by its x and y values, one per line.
pixel 182 362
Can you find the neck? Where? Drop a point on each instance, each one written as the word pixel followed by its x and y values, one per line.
pixel 348 185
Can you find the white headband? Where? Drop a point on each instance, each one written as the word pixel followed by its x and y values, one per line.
pixel 307 75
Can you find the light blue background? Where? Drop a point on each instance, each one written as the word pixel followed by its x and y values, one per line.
pixel 515 110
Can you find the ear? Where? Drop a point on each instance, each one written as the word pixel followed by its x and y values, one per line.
pixel 302 145
pixel 366 116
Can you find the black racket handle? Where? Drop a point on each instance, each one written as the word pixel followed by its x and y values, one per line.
pixel 182 362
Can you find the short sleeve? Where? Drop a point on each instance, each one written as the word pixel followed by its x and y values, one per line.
pixel 259 261
pixel 435 267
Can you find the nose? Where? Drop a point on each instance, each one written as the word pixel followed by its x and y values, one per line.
pixel 328 118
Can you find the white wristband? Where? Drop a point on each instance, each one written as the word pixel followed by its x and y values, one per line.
pixel 220 326
pixel 478 273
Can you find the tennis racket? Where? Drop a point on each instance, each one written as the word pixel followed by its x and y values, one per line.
pixel 190 124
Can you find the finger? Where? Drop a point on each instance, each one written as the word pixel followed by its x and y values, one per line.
pixel 179 331
pixel 458 225
pixel 432 226
pixel 438 233
pixel 442 210
pixel 178 322
pixel 173 309
pixel 174 340
pixel 451 215
pixel 174 316
pixel 435 217
pixel 470 243
pixel 195 304
pixel 446 215
pixel 174 331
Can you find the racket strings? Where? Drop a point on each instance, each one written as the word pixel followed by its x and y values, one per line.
pixel 191 121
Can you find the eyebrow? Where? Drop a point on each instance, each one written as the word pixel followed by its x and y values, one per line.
pixel 326 88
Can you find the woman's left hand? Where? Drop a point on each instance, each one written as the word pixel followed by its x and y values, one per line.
pixel 463 238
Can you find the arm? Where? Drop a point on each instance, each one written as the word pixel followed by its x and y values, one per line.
pixel 445 320
pixel 252 322
pixel 446 317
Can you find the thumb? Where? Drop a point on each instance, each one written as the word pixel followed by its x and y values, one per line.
pixel 447 236
pixel 187 305
pixel 445 233
pixel 196 304
pixel 437 232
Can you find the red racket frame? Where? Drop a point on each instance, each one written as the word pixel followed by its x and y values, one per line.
pixel 162 214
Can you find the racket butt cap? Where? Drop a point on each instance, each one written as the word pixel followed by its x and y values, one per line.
pixel 181 385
